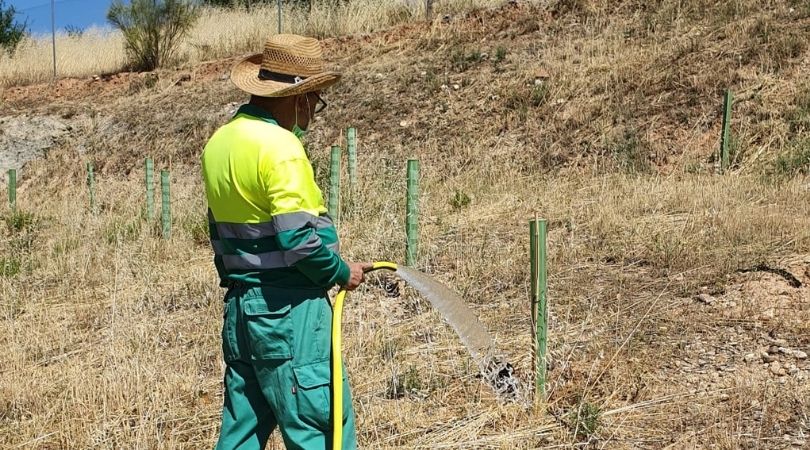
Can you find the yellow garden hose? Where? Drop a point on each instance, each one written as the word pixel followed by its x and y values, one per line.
pixel 337 360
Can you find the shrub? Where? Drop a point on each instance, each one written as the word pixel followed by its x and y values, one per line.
pixel 152 29
pixel 795 161
pixel 11 31
pixel 631 154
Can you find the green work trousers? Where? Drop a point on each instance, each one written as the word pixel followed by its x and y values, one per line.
pixel 276 344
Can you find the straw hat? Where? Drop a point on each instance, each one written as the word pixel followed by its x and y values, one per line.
pixel 289 65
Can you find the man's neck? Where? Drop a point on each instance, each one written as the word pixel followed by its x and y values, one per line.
pixel 278 108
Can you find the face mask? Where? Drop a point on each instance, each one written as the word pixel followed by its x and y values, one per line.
pixel 299 132
pixel 296 130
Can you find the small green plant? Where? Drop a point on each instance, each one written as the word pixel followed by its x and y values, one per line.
pixel 500 54
pixel 65 246
pixel 152 29
pixel 197 230
pixel 10 266
pixel 694 167
pixel 798 118
pixel 432 81
pixel 389 350
pixel 19 221
pixel 459 200
pixel 630 154
pixel 462 61
pixel 585 420
pixel 540 94
pixel 126 231
pixel 400 385
pixel 795 161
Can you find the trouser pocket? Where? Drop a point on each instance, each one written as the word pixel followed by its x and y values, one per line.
pixel 269 329
pixel 312 394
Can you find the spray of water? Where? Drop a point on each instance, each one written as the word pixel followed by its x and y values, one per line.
pixel 494 369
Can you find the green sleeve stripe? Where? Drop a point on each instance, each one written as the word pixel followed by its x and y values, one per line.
pixel 238 246
pixel 314 256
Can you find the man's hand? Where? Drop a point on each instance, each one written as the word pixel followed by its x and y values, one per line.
pixel 357 275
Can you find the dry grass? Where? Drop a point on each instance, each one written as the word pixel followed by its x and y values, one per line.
pixel 111 335
pixel 219 33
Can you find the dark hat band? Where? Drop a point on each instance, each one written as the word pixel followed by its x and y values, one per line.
pixel 269 75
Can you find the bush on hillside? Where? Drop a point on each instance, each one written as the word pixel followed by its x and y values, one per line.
pixel 11 31
pixel 152 29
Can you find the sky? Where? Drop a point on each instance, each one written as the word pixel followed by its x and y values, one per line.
pixel 76 13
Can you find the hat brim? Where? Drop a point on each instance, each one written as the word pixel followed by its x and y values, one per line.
pixel 245 75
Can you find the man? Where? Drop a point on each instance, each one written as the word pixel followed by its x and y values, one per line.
pixel 276 251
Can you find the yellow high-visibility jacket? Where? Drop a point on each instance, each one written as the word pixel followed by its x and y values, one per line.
pixel 267 219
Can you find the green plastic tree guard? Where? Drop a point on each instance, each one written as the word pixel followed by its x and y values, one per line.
pixel 91 187
pixel 150 189
pixel 334 185
pixel 726 135
pixel 537 249
pixel 166 207
pixel 12 188
pixel 412 213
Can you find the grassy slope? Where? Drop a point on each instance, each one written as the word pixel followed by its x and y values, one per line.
pixel 111 334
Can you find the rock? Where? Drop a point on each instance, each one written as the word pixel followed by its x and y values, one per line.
pixel 724 397
pixel 784 351
pixel 456 87
pixel 705 298
pixel 541 74
pixel 773 349
pixel 768 358
pixel 777 368
pixel 750 357
pixel 24 138
pixel 403 123
pixel 798 354
pixel 793 370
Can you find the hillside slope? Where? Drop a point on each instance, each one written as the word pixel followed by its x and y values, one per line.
pixel 680 312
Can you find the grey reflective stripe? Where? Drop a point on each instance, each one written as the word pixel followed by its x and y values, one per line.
pixel 247 261
pixel 280 223
pixel 293 221
pixel 245 230
pixel 323 221
pixel 302 251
